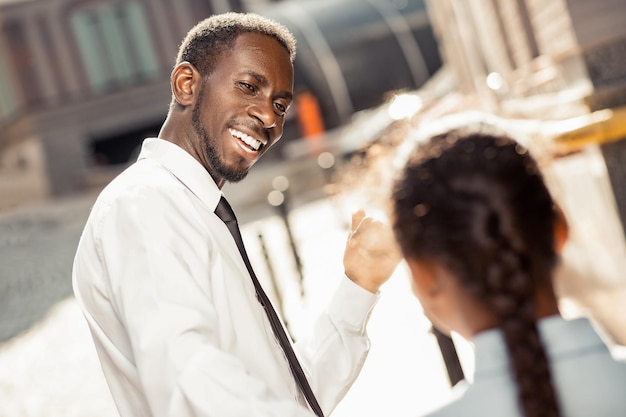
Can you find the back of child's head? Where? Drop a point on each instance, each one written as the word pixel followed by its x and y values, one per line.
pixel 476 202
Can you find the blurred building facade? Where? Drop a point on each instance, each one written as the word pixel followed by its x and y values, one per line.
pixel 82 82
pixel 542 59
pixel 536 47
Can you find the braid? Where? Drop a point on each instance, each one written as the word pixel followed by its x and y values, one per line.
pixel 509 290
pixel 477 204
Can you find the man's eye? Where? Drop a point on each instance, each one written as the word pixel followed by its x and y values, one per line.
pixel 281 109
pixel 247 86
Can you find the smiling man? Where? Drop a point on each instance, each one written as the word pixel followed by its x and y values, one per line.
pixel 181 325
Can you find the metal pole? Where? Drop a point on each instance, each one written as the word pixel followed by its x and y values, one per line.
pixel 278 199
pixel 276 287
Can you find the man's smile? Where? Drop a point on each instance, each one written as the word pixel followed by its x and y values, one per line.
pixel 247 142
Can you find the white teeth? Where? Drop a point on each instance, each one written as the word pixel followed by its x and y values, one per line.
pixel 248 140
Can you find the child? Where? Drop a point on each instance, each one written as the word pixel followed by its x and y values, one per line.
pixel 481 235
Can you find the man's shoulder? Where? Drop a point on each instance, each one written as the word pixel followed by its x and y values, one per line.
pixel 143 180
pixel 146 197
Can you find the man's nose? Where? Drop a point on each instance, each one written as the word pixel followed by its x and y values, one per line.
pixel 265 114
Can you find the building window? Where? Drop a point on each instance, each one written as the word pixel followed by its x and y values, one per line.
pixel 21 58
pixel 115 44
pixel 8 103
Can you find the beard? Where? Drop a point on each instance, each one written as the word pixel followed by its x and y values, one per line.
pixel 217 166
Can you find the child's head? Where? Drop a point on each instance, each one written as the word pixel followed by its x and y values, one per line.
pixel 476 224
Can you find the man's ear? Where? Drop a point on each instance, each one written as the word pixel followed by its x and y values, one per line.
pixel 185 80
pixel 561 230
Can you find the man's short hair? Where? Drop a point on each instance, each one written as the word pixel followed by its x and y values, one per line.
pixel 216 34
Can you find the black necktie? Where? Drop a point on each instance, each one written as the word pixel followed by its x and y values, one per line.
pixel 226 214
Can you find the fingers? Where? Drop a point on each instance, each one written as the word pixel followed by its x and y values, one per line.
pixel 371 255
pixel 357 218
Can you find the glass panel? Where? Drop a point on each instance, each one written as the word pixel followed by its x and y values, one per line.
pixel 8 104
pixel 140 39
pixel 85 29
pixel 116 49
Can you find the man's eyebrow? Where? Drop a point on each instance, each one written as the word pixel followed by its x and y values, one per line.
pixel 258 77
pixel 263 82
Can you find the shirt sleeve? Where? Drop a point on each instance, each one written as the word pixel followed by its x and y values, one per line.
pixel 156 258
pixel 334 355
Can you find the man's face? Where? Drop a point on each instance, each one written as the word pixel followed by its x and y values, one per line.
pixel 240 109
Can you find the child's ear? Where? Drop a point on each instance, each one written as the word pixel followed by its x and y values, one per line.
pixel 561 230
pixel 425 283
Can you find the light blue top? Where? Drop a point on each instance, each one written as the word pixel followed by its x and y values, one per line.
pixel 589 381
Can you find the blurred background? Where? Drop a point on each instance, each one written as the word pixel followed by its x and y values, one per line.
pixel 83 82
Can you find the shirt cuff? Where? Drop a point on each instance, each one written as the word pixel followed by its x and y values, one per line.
pixel 352 304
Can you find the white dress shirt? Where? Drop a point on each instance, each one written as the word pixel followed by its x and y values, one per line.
pixel 588 381
pixel 173 311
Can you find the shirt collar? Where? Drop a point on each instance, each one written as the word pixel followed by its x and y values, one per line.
pixel 184 167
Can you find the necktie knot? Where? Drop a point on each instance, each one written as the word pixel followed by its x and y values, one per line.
pixel 225 212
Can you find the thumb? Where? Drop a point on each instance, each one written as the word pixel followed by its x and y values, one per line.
pixel 357 218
